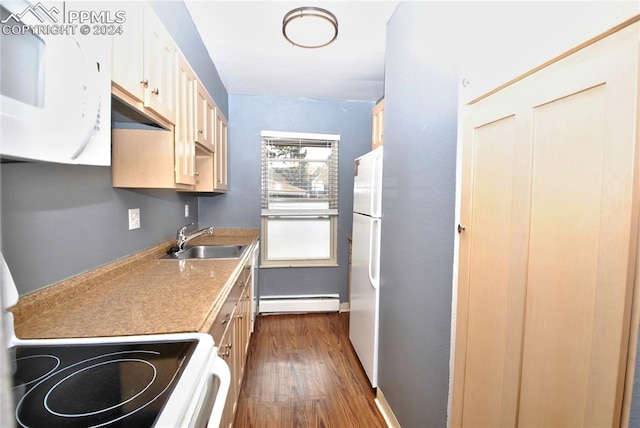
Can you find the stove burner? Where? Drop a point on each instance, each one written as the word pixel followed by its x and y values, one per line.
pixel 90 385
pixel 77 390
pixel 33 368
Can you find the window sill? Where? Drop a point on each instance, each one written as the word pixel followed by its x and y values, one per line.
pixel 301 264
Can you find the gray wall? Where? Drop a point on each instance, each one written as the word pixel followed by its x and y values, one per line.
pixel 61 220
pixel 241 206
pixel 418 214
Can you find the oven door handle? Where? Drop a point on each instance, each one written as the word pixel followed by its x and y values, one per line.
pixel 220 370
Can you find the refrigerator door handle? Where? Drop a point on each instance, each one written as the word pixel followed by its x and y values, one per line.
pixel 372 190
pixel 374 253
pixel 374 185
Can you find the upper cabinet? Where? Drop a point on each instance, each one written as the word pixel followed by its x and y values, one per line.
pixel 377 131
pixel 153 77
pixel 205 116
pixel 144 65
pixel 221 182
pixel 185 124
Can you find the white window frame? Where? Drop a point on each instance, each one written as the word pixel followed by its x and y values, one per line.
pixel 298 214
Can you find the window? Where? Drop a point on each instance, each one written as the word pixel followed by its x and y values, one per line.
pixel 299 199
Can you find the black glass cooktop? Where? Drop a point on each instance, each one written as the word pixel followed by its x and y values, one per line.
pixel 114 385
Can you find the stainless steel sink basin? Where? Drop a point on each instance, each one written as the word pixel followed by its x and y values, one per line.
pixel 209 252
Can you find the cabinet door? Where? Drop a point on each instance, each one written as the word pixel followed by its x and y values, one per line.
pixel 204 170
pixel 185 156
pixel 205 126
pixel 160 56
pixel 547 259
pixel 221 183
pixel 377 131
pixel 127 71
pixel 228 353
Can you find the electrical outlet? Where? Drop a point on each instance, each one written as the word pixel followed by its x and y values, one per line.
pixel 186 210
pixel 134 218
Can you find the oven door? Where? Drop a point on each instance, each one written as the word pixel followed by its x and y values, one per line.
pixel 155 380
pixel 55 102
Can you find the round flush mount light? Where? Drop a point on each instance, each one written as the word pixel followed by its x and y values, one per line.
pixel 310 27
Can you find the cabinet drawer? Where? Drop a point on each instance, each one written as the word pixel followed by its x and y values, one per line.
pixel 224 316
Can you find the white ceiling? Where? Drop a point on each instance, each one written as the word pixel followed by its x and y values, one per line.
pixel 245 42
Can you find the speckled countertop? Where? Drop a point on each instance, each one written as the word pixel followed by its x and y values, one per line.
pixel 139 294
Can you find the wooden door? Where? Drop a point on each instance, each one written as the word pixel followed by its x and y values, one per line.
pixel 492 271
pixel 547 259
pixel 582 241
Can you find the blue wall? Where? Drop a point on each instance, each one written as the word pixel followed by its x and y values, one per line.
pixel 418 204
pixel 241 206
pixel 61 220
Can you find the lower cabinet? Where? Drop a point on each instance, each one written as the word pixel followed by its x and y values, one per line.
pixel 228 350
pixel 234 342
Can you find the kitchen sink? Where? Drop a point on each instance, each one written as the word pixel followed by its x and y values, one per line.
pixel 209 252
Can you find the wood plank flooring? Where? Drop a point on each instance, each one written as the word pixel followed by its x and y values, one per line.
pixel 302 372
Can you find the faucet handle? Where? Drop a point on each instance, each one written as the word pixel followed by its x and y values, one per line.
pixel 183 229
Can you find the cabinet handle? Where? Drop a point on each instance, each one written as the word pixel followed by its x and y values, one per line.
pixel 226 319
pixel 228 345
pixel 145 82
pixel 200 131
pixel 196 174
pixel 240 317
pixel 461 228
pixel 156 91
pixel 225 354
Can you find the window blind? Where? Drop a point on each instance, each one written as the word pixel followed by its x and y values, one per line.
pixel 299 174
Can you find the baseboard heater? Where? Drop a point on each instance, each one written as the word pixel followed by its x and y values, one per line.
pixel 299 303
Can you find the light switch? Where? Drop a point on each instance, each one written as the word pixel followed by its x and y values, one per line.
pixel 134 218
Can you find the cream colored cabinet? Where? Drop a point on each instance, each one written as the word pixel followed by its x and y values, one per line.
pixel 377 131
pixel 221 180
pixel 205 125
pixel 204 170
pixel 197 158
pixel 234 345
pixel 144 64
pixel 160 55
pixel 127 71
pixel 227 349
pixel 142 158
pixel 548 244
pixel 185 146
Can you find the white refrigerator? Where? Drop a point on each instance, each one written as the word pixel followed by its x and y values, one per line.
pixel 365 261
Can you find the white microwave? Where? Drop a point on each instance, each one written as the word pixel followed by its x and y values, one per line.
pixel 55 87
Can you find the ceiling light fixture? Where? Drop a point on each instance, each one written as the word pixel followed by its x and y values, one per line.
pixel 310 27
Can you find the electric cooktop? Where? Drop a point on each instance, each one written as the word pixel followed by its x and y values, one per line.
pixel 95 385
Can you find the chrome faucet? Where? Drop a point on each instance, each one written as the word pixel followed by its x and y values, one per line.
pixel 182 238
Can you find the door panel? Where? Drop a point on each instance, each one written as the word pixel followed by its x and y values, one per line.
pixel 490 247
pixel 581 249
pixel 563 258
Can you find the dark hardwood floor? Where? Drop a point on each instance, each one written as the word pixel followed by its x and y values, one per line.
pixel 302 372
